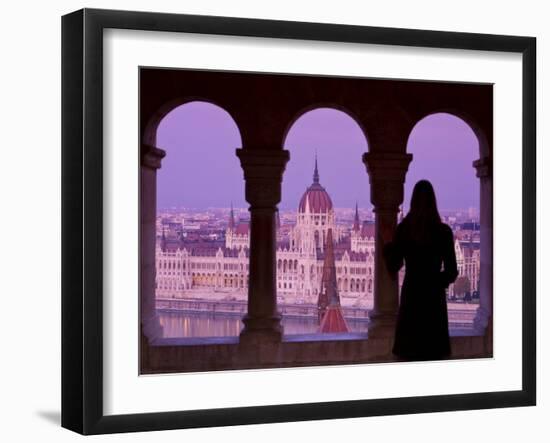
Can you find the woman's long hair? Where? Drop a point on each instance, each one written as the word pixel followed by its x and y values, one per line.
pixel 423 217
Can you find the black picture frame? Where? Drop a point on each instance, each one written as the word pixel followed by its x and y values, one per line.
pixel 82 218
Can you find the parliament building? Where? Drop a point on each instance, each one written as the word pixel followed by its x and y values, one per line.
pixel 215 269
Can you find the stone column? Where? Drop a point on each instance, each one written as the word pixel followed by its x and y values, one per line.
pixel 150 161
pixel 484 315
pixel 387 172
pixel 263 171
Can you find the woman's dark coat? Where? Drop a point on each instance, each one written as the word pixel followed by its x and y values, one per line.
pixel 422 329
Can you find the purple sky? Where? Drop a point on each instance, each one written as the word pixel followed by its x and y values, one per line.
pixel 201 170
pixel 339 143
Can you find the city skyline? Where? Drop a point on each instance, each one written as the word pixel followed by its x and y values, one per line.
pixel 244 208
pixel 203 258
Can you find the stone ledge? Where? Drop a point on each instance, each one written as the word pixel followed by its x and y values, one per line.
pixel 226 353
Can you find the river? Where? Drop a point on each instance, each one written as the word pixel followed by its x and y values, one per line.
pixel 184 324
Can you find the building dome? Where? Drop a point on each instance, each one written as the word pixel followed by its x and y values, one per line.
pixel 315 196
pixel 318 199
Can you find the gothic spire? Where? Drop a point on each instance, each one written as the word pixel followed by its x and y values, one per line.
pixel 316 171
pixel 330 284
pixel 163 240
pixel 231 218
pixel 331 318
pixel 329 290
pixel 356 222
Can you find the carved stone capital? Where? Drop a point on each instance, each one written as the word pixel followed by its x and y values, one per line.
pixel 391 166
pixel 387 171
pixel 484 167
pixel 263 173
pixel 151 157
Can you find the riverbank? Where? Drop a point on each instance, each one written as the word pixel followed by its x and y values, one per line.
pixel 461 315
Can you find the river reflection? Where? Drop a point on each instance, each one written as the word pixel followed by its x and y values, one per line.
pixel 184 324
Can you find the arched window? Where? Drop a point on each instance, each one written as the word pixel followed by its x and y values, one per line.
pixel 323 123
pixel 323 142
pixel 440 140
pixel 199 139
pixel 444 149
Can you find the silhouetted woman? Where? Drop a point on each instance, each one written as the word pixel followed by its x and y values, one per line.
pixel 426 245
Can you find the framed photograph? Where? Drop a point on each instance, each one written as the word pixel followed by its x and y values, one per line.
pixel 268 221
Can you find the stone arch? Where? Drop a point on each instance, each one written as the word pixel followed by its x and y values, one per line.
pixel 323 105
pixel 151 157
pixel 333 123
pixel 482 169
pixel 446 149
pixel 263 114
pixel 476 127
pixel 149 133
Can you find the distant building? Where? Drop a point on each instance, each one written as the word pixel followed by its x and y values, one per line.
pixel 219 269
pixel 467 253
pixel 237 234
pixel 194 262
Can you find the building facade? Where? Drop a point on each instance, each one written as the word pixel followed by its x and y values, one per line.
pixel 467 253
pixel 218 269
